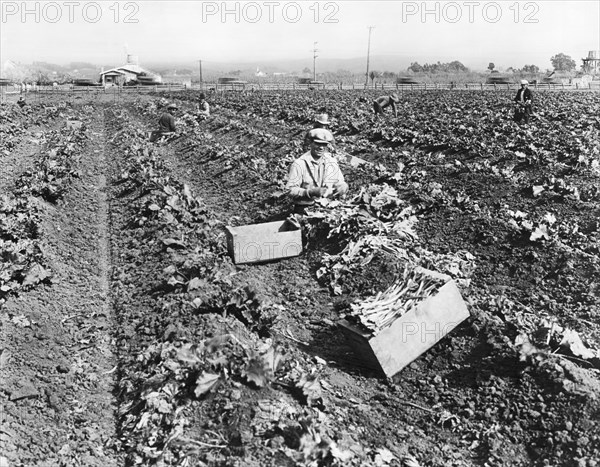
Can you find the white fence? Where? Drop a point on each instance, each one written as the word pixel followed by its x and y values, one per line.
pixel 405 87
pixel 115 92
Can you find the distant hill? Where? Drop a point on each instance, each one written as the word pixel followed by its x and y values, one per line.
pixel 48 72
pixel 357 65
pixel 188 70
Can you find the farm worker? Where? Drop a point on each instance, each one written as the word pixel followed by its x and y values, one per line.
pixel 386 101
pixel 321 121
pixel 166 124
pixel 523 101
pixel 203 107
pixel 21 102
pixel 315 174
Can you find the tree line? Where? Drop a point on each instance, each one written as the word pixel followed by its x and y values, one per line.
pixel 560 62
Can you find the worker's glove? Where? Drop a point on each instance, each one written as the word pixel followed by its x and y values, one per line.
pixel 317 192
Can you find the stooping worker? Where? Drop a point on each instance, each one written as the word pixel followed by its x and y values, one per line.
pixel 321 121
pixel 523 100
pixel 386 101
pixel 203 107
pixel 316 174
pixel 21 102
pixel 166 124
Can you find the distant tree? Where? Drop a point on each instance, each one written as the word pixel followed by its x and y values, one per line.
pixel 562 62
pixel 389 75
pixel 373 75
pixel 427 68
pixel 452 67
pixel 415 67
pixel 491 66
pixel 43 79
pixel 510 69
pixel 456 67
pixel 530 69
pixel 62 78
pixel 306 70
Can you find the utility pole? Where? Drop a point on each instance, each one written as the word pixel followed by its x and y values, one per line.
pixel 200 70
pixel 315 61
pixel 368 55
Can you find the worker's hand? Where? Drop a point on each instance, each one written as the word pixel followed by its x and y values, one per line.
pixel 340 189
pixel 317 192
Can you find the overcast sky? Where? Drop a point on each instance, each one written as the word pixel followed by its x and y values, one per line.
pixel 508 33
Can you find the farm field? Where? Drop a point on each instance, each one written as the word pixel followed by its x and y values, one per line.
pixel 129 337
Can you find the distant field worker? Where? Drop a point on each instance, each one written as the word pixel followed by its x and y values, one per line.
pixel 386 101
pixel 524 100
pixel 316 174
pixel 166 124
pixel 321 121
pixel 203 107
pixel 21 102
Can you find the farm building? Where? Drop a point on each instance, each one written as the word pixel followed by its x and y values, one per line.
pixel 591 64
pixel 310 82
pixel 232 83
pixel 128 73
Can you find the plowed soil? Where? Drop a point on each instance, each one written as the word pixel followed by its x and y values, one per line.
pixel 109 361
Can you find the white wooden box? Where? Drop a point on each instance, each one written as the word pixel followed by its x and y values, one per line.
pixel 412 334
pixel 264 242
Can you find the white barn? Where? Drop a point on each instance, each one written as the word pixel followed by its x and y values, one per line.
pixel 131 71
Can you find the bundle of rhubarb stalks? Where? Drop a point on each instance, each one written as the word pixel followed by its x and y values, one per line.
pixel 379 311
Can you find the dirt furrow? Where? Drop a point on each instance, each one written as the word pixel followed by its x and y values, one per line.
pixel 57 403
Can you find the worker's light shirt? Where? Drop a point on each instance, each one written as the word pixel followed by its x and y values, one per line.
pixel 307 172
pixel 204 108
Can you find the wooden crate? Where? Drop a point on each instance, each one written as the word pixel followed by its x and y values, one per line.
pixel 412 334
pixel 264 242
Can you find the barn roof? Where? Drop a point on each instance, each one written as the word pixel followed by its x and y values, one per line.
pixel 129 68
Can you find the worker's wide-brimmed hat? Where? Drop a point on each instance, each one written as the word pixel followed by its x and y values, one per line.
pixel 172 106
pixel 320 136
pixel 524 81
pixel 395 97
pixel 323 119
